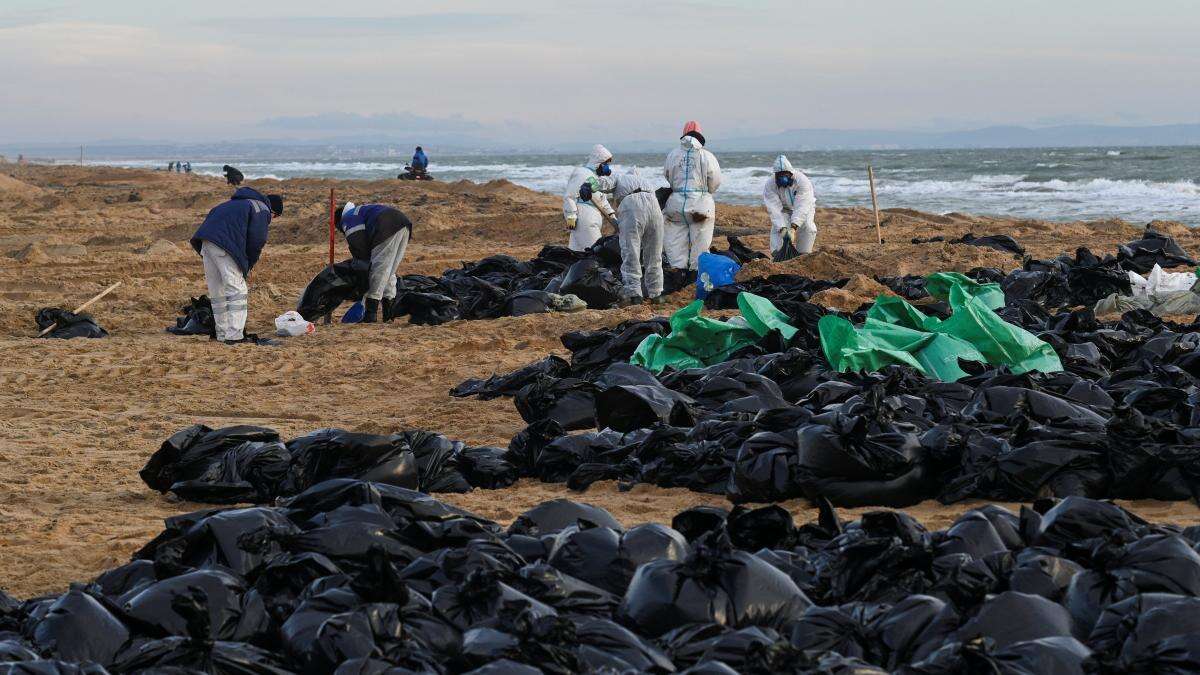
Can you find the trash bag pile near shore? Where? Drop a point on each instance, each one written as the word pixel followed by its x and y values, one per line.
pixel 775 421
pixel 358 577
pixel 499 285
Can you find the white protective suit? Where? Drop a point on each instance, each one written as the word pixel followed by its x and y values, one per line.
pixel 694 175
pixel 791 206
pixel 227 290
pixel 640 231
pixel 588 217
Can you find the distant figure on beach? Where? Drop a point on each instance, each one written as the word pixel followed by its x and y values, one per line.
pixel 178 167
pixel 585 216
pixel 792 206
pixel 230 241
pixel 378 234
pixel 232 175
pixel 691 213
pixel 170 166
pixel 187 166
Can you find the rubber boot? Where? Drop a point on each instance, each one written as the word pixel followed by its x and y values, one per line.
pixel 371 315
pixel 389 309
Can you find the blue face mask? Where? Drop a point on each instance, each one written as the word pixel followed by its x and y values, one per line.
pixel 783 180
pixel 604 170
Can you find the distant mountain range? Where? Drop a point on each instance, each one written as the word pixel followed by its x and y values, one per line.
pixel 374 143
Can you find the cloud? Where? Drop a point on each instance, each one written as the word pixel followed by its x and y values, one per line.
pixel 343 27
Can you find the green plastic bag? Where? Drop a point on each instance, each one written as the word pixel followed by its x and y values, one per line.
pixel 697 341
pixel 940 284
pixel 895 332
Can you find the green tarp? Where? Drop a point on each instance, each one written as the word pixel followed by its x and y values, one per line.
pixel 895 332
pixel 697 341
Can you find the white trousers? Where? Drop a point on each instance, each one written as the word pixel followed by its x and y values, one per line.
pixel 587 230
pixel 385 259
pixel 686 239
pixel 227 290
pixel 806 235
pixel 640 231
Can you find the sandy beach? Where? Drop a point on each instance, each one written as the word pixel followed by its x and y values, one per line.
pixel 78 418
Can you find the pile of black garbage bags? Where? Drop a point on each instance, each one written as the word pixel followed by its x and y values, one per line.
pixel 775 422
pixel 249 464
pixel 196 319
pixel 355 577
pixel 498 285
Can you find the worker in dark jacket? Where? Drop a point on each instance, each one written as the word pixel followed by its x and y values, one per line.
pixel 378 234
pixel 230 242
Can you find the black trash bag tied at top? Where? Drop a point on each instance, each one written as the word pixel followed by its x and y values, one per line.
pixel 67 325
pixel 353 576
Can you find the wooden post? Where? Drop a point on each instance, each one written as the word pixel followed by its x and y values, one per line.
pixel 874 204
pixel 81 155
pixel 332 227
pixel 82 307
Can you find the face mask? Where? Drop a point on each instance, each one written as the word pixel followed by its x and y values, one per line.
pixel 604 170
pixel 783 180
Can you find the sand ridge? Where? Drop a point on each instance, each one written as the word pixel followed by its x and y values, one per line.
pixel 79 418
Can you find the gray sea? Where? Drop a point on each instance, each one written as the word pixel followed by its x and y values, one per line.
pixel 1137 184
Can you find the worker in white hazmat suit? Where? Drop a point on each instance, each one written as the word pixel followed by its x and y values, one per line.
pixel 691 214
pixel 640 232
pixel 585 217
pixel 792 206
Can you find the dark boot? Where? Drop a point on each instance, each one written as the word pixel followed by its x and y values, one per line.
pixel 371 315
pixel 389 309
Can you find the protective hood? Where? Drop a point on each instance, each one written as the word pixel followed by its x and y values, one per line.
pixel 600 155
pixel 250 193
pixel 782 164
pixel 690 142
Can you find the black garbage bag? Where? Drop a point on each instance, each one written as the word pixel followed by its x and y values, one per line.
pixel 553 516
pixel 487 467
pixel 187 655
pixel 1050 656
pixel 427 309
pixel 481 598
pixel 607 558
pixel 850 466
pixel 1042 574
pixel 528 302
pixel 786 252
pixel 234 614
pixel 477 298
pixel 1048 289
pixel 636 406
pixel 1152 249
pixel 197 319
pixel 911 629
pixel 593 283
pixel 332 286
pixel 237 540
pixel 564 592
pixel 437 461
pixel 1127 629
pixel 335 453
pixel 1011 617
pixel 68 324
pixel 765 469
pixel 1090 285
pixel 714 584
pixel 509 384
pixel 80 627
pixel 527 445
pixel 569 401
pixel 999 242
pixel 234 464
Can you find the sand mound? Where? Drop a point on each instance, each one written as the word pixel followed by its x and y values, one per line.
pixel 11 188
pixel 161 248
pixel 859 290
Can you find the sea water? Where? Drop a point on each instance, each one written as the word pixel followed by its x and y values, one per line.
pixel 1137 184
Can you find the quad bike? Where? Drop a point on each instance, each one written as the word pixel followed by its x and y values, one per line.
pixel 414 174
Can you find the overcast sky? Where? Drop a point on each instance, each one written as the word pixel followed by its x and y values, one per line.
pixel 618 69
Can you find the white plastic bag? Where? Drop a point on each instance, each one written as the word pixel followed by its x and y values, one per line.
pixel 291 324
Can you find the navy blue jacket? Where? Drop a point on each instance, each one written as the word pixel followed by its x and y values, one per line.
pixel 238 226
pixel 369 225
pixel 419 160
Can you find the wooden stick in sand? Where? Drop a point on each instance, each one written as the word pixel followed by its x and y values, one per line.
pixel 329 316
pixel 82 307
pixel 874 204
